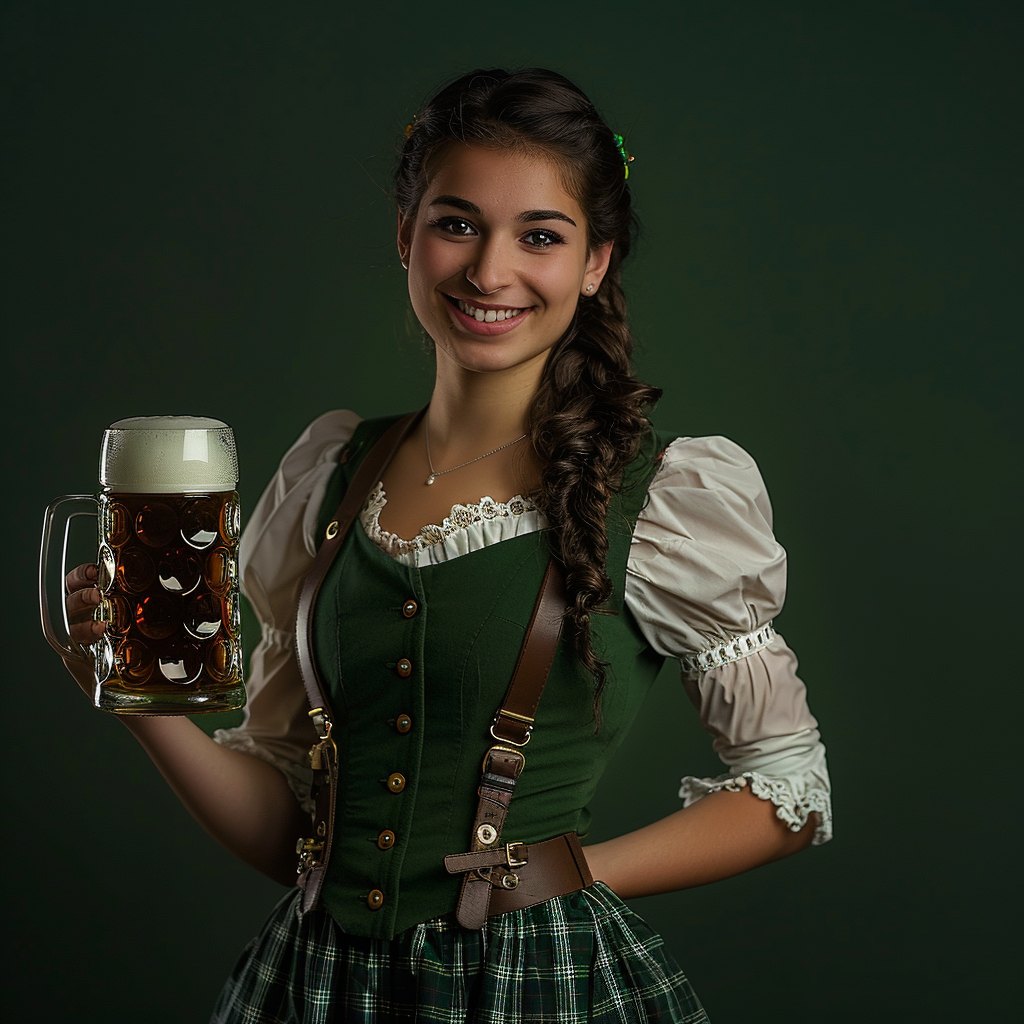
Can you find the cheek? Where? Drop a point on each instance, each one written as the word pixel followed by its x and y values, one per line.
pixel 566 285
pixel 430 265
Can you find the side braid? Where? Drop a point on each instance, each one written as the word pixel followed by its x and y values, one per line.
pixel 587 423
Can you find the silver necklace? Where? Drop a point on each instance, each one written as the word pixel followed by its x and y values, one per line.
pixel 435 473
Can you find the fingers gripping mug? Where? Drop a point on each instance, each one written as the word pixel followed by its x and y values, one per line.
pixel 169 524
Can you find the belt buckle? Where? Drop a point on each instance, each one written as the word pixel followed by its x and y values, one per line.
pixel 513 861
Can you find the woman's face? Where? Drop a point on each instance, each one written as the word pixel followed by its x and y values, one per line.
pixel 497 257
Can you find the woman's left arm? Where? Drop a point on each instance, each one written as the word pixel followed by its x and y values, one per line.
pixel 723 834
pixel 705 578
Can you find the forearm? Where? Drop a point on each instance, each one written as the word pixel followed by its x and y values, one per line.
pixel 243 802
pixel 720 835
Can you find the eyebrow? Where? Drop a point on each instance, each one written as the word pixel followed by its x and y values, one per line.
pixel 532 215
pixel 528 217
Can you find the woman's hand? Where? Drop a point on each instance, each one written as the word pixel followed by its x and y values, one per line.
pixel 82 601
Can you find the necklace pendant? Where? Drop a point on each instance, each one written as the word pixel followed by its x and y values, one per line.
pixel 430 479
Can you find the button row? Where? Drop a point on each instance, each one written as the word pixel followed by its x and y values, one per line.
pixel 396 780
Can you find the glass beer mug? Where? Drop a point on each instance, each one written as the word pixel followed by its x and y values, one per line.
pixel 169 524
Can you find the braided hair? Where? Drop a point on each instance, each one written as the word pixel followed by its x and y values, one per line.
pixel 588 417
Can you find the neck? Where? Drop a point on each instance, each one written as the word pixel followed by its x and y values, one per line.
pixel 473 412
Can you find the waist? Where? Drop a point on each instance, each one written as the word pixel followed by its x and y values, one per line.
pixel 524 874
pixel 402 891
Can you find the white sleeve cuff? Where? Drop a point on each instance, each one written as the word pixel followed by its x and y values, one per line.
pixel 796 796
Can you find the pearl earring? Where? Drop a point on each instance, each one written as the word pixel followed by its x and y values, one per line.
pixel 590 288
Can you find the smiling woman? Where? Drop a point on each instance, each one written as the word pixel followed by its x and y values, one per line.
pixel 528 533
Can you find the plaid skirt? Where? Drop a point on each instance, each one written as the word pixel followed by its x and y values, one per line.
pixel 585 957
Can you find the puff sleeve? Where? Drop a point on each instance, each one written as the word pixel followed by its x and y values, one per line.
pixel 276 551
pixel 704 580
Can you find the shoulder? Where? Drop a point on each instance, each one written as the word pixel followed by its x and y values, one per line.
pixel 708 473
pixel 320 442
pixel 301 476
pixel 365 435
pixel 703 546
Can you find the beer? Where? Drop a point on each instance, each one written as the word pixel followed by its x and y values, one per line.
pixel 169 595
pixel 169 524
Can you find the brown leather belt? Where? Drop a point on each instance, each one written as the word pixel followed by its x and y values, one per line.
pixel 523 875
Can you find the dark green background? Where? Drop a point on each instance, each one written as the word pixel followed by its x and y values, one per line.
pixel 196 219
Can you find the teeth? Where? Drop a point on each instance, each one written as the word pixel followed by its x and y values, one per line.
pixel 488 316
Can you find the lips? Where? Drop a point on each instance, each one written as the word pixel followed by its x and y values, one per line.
pixel 486 319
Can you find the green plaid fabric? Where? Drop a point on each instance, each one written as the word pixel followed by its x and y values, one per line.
pixel 575 959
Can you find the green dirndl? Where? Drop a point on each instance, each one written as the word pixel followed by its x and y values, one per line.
pixel 585 957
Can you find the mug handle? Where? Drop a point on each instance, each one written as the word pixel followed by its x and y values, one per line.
pixel 59 514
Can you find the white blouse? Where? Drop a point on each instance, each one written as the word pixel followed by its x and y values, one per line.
pixel 704 579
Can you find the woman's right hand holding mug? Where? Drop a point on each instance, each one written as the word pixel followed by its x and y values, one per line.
pixel 83 598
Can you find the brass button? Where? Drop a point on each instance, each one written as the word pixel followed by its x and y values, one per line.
pixel 403 723
pixel 396 782
pixel 410 608
pixel 404 668
pixel 375 900
pixel 386 839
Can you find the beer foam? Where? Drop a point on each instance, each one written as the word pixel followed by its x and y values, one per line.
pixel 168 455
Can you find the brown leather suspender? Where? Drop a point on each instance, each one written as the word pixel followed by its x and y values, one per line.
pixel 505 760
pixel 511 727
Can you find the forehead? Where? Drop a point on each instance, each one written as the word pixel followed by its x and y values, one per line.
pixel 500 181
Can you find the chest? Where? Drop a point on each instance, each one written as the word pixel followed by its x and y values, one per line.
pixel 413 503
pixel 444 636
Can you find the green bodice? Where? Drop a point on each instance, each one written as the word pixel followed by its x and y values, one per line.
pixel 415 662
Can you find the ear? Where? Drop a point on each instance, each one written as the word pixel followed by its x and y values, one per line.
pixel 404 238
pixel 597 267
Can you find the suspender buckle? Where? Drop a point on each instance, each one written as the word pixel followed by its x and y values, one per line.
pixel 517 731
pixel 321 722
pixel 512 762
pixel 308 851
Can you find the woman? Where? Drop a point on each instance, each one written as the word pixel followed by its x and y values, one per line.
pixel 514 220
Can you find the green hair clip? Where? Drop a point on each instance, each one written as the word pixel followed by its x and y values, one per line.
pixel 620 145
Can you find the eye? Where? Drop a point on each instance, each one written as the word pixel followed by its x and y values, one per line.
pixel 454 226
pixel 543 238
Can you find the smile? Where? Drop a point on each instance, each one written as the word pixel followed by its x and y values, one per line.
pixel 486 321
pixel 487 316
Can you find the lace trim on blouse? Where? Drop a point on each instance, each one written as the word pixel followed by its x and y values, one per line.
pixel 461 517
pixel 728 651
pixel 794 800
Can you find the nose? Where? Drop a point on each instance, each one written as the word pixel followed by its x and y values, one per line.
pixel 492 266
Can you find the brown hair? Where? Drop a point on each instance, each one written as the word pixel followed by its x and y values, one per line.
pixel 588 418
